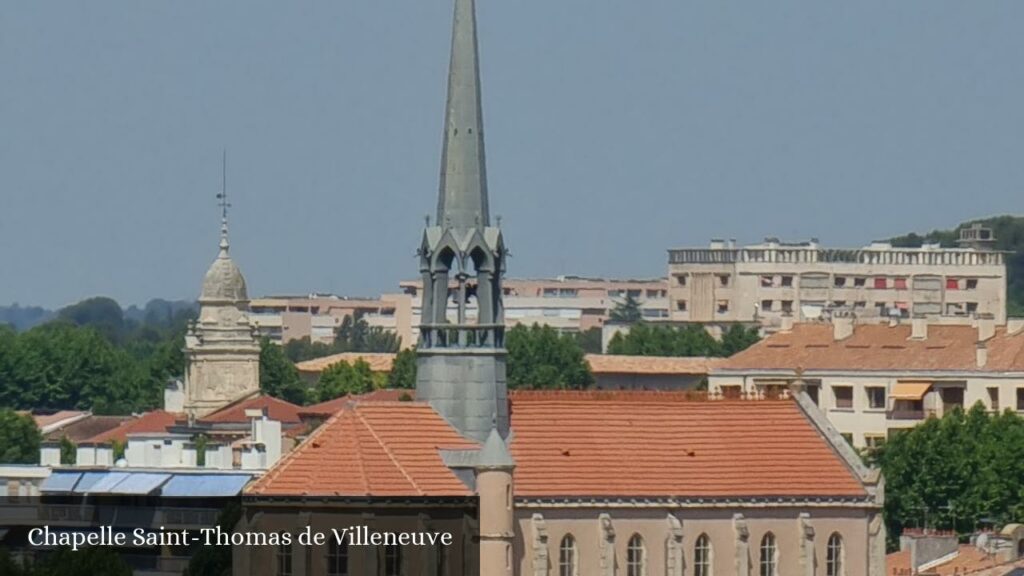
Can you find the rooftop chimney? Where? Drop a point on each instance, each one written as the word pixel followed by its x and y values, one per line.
pixel 919 328
pixel 982 354
pixel 49 454
pixel 786 323
pixel 842 325
pixel 986 326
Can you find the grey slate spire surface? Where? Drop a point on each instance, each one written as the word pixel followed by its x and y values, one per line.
pixel 462 202
pixel 461 356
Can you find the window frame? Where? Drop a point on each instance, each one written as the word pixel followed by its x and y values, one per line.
pixel 768 555
pixel 835 396
pixel 284 559
pixel 834 551
pixel 702 556
pixel 868 392
pixel 568 556
pixel 636 556
pixel 337 559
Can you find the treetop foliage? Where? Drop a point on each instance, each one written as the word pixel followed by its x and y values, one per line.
pixel 956 470
pixel 541 357
pixel 19 438
pixel 646 339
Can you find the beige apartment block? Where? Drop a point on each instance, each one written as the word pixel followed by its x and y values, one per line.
pixel 567 303
pixel 765 282
pixel 317 317
pixel 871 380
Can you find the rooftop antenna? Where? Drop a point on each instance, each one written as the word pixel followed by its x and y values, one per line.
pixel 224 205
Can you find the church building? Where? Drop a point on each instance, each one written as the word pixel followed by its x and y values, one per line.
pixel 566 483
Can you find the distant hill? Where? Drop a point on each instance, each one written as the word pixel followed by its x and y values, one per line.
pixel 23 318
pixel 1009 233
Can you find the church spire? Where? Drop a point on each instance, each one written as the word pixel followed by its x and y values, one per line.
pixel 462 201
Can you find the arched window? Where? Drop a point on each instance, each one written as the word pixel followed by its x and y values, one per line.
pixel 284 556
pixel 567 557
pixel 636 556
pixel 337 559
pixel 702 556
pixel 834 555
pixel 769 556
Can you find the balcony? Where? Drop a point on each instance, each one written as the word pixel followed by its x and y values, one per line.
pixel 909 414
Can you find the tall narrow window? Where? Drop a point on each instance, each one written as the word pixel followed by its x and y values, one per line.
pixel 834 555
pixel 392 560
pixel 636 556
pixel 769 560
pixel 567 556
pixel 337 559
pixel 702 556
pixel 284 557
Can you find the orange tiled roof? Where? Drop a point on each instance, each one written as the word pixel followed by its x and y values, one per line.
pixel 578 444
pixel 44 420
pixel 378 361
pixel 331 406
pixel 619 364
pixel 371 449
pixel 880 347
pixel 155 421
pixel 623 444
pixel 969 560
pixel 276 409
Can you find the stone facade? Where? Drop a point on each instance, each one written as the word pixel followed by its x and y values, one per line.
pixel 766 282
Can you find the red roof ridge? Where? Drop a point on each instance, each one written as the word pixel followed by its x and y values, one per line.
pixel 629 396
pixel 386 450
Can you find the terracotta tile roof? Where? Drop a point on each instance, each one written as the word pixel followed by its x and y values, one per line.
pixel 378 361
pixel 329 407
pixel 969 560
pixel 85 429
pixel 622 444
pixel 880 347
pixel 617 364
pixel 149 422
pixel 371 449
pixel 276 409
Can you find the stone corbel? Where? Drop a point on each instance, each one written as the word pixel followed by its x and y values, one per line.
pixel 674 562
pixel 607 545
pixel 539 545
pixel 739 526
pixel 807 559
pixel 876 545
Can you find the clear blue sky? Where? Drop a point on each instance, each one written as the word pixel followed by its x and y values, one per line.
pixel 614 131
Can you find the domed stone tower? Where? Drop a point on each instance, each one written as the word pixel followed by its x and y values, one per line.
pixel 222 352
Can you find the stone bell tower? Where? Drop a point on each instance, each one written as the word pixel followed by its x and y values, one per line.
pixel 461 360
pixel 222 352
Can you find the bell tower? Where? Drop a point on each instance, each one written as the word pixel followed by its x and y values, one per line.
pixel 461 360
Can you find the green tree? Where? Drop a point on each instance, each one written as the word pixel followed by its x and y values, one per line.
pixel 589 340
pixel 68 452
pixel 87 561
pixel 540 357
pixel 960 468
pixel 342 378
pixel 403 371
pixel 738 338
pixel 627 312
pixel 278 376
pixel 19 438
pixel 101 313
pixel 661 340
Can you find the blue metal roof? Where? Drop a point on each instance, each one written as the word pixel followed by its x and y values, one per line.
pixel 60 482
pixel 204 485
pixel 106 484
pixel 139 483
pixel 89 479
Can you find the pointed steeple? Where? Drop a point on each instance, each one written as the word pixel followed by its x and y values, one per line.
pixel 462 201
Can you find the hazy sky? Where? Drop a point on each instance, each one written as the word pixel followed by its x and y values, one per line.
pixel 615 130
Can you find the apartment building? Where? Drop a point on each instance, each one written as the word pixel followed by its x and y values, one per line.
pixel 765 282
pixel 568 303
pixel 318 316
pixel 872 379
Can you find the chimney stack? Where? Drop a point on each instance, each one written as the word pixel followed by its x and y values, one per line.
pixel 982 354
pixel 842 325
pixel 919 328
pixel 786 323
pixel 986 326
pixel 49 454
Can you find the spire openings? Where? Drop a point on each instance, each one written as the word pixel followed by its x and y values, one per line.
pixel 462 201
